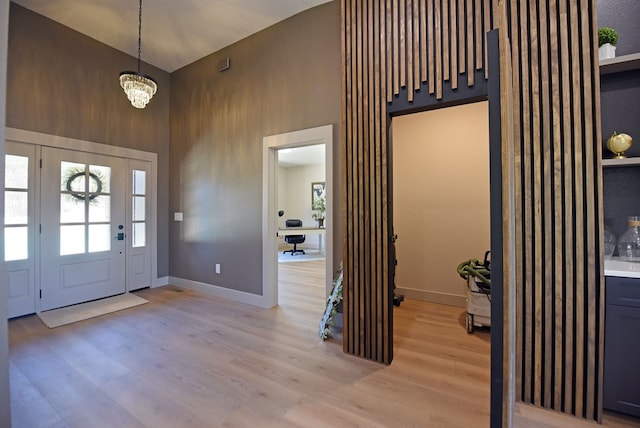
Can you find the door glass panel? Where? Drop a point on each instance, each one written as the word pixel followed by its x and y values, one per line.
pixel 73 175
pixel 100 209
pixel 71 209
pixel 139 182
pixel 139 238
pixel 139 208
pixel 99 237
pixel 16 243
pixel 100 179
pixel 72 239
pixel 16 172
pixel 16 207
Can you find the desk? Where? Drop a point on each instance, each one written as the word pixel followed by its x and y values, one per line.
pixel 304 231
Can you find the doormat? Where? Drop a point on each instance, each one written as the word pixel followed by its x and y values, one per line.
pixel 84 311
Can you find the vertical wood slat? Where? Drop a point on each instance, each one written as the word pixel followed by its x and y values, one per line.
pixel 438 40
pixel 521 173
pixel 417 49
pixel 486 14
pixel 556 297
pixel 387 34
pixel 462 45
pixel 446 61
pixel 546 200
pixel 470 44
pixel 454 44
pixel 431 78
pixel 568 136
pixel 477 25
pixel 410 49
pixel 419 45
pixel 423 40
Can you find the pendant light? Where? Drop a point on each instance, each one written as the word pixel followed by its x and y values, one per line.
pixel 138 87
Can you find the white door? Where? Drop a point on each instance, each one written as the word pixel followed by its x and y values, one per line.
pixel 82 241
pixel 19 228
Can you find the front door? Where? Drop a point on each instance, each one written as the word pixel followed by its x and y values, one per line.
pixel 83 227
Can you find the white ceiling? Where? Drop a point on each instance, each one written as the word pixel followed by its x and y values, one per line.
pixel 300 156
pixel 174 32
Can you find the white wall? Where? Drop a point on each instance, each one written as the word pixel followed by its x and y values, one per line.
pixel 5 417
pixel 294 195
pixel 440 199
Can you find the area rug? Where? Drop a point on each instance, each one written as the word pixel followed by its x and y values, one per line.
pixel 84 311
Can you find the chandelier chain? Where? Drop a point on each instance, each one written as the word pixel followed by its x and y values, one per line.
pixel 139 33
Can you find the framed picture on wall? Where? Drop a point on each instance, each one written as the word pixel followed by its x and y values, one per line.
pixel 317 195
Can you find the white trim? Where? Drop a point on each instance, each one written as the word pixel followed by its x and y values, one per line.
pixel 221 292
pixel 160 282
pixel 55 141
pixel 270 145
pixel 38 138
pixel 433 297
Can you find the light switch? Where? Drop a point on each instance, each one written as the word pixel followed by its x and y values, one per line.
pixel 178 216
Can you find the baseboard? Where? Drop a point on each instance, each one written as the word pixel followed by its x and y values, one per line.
pixel 222 292
pixel 160 282
pixel 433 297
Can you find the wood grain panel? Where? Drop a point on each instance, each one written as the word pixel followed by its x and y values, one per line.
pixel 396 49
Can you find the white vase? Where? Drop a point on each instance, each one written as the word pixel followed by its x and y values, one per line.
pixel 606 51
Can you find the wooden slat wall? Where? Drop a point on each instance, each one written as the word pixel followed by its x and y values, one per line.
pixel 397 48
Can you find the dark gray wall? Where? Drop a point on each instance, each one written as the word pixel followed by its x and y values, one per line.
pixel 620 105
pixel 63 83
pixel 282 79
pixel 624 17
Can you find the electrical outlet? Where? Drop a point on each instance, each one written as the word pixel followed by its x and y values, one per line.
pixel 217 267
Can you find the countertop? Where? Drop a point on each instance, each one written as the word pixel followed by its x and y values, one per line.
pixel 616 267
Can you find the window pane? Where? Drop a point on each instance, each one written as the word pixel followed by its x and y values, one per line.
pixel 139 237
pixel 139 208
pixel 16 243
pixel 16 206
pixel 139 181
pixel 71 209
pixel 16 173
pixel 73 175
pixel 100 179
pixel 100 209
pixel 71 240
pixel 99 237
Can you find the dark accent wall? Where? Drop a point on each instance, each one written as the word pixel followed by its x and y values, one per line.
pixel 64 83
pixel 620 101
pixel 282 79
pixel 622 15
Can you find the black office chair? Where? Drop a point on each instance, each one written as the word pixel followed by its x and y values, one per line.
pixel 293 239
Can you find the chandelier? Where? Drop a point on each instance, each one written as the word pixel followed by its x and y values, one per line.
pixel 138 87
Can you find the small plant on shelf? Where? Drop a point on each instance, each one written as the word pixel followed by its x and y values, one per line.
pixel 607 35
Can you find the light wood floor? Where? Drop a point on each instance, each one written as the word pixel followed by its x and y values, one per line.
pixel 186 360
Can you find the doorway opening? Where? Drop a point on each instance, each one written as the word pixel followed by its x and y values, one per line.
pixel 442 217
pixel 291 195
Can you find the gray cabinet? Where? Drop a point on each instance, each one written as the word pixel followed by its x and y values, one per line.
pixel 622 346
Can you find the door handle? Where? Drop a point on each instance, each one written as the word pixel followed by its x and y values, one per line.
pixel 120 236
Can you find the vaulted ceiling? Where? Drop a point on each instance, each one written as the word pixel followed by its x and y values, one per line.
pixel 174 32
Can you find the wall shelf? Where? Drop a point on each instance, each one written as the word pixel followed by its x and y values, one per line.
pixel 620 162
pixel 619 64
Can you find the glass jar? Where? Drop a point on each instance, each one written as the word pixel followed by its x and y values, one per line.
pixel 610 242
pixel 629 242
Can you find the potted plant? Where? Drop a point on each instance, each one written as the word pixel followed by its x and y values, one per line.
pixel 319 209
pixel 607 39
